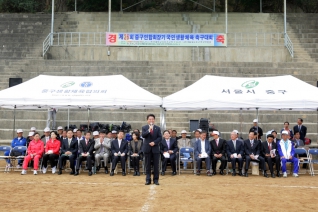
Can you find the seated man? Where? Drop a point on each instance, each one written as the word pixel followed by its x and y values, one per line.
pixel 218 152
pixel 297 141
pixel 18 141
pixel 202 152
pixel 86 148
pixel 235 150
pixel 169 146
pixel 286 152
pixel 276 140
pixel 184 142
pixel 196 137
pixel 68 151
pixel 119 148
pixel 252 148
pixel 102 150
pixel 270 155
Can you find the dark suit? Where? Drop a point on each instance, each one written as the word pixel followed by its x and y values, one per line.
pixel 302 131
pixel 152 153
pixel 115 148
pixel 73 147
pixel 218 149
pixel 138 150
pixel 255 150
pixel 85 148
pixel 258 130
pixel 197 152
pixel 265 150
pixel 238 150
pixel 164 148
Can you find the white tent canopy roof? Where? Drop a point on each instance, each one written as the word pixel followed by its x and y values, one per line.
pixel 235 93
pixel 113 92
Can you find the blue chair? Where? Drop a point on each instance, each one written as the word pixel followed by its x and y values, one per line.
pixel 22 150
pixel 312 152
pixel 303 160
pixel 4 149
pixel 189 150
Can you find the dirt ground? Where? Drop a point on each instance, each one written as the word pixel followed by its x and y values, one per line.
pixel 187 192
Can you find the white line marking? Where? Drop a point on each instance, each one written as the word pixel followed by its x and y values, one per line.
pixel 150 198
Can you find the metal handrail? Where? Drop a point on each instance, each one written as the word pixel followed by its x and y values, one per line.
pixel 289 45
pixel 46 44
pixel 255 39
pixel 79 39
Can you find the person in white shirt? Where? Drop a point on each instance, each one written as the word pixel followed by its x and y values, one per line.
pixel 184 142
pixel 46 135
pixel 202 152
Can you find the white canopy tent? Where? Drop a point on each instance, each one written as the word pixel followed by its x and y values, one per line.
pixel 235 93
pixel 108 92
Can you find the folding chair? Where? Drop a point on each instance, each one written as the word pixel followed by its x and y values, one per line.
pixel 4 149
pixel 118 163
pixel 22 150
pixel 189 150
pixel 312 152
pixel 303 160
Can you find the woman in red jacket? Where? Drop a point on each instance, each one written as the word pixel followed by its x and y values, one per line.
pixel 52 152
pixel 35 152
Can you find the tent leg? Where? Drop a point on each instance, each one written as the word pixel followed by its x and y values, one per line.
pixel 68 118
pixel 162 119
pixel 317 125
pixel 241 120
pixel 257 122
pixel 13 130
pixel 88 117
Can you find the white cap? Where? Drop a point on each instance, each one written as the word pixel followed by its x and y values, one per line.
pixel 75 130
pixel 59 128
pixel 236 131
pixel 215 133
pixel 183 131
pixel 199 130
pixel 114 132
pixel 19 130
pixel 255 120
pixel 95 133
pixel 33 129
pixel 31 133
pixel 46 129
pixel 285 132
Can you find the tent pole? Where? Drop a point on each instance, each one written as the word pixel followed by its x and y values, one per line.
pixel 162 119
pixel 241 119
pixel 68 117
pixel 88 117
pixel 257 122
pixel 13 130
pixel 317 125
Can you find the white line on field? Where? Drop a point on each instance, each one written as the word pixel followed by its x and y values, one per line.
pixel 151 197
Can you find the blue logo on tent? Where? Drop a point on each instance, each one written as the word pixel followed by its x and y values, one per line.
pixel 86 84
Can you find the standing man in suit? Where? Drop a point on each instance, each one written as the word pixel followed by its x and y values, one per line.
pixel 300 128
pixel 218 149
pixel 196 138
pixel 202 152
pixel 152 138
pixel 68 151
pixel 257 129
pixel 270 158
pixel 168 146
pixel 86 148
pixel 102 150
pixel 252 148
pixel 119 148
pixel 286 151
pixel 235 151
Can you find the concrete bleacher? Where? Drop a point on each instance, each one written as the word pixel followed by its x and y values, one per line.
pixel 172 71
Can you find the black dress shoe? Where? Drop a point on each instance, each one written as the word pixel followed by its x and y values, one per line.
pixel 123 173
pixel 97 168
pixel 90 173
pixel 233 173
pixel 106 171
pixel 60 172
pixel 245 174
pixel 162 173
pixel 138 173
pixel 273 175
pixel 198 172
pixel 214 173
pixel 221 172
pixel 240 173
pixel 278 175
pixel 156 183
pixel 72 172
pixel 112 173
pixel 147 183
pixel 76 173
pixel 174 173
pixel 135 173
pixel 265 175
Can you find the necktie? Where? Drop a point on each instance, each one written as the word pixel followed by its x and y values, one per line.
pixel 217 142
pixel 69 143
pixel 251 143
pixel 86 142
pixel 299 126
pixel 269 147
pixel 234 143
pixel 168 143
pixel 151 131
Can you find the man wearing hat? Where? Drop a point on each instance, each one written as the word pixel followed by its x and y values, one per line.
pixel 33 129
pixel 184 142
pixel 60 133
pixel 29 138
pixel 257 129
pixel 46 135
pixel 218 152
pixel 95 135
pixel 114 135
pixel 286 151
pixel 18 141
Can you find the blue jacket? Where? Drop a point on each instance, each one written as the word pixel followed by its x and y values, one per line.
pixel 16 142
pixel 197 148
